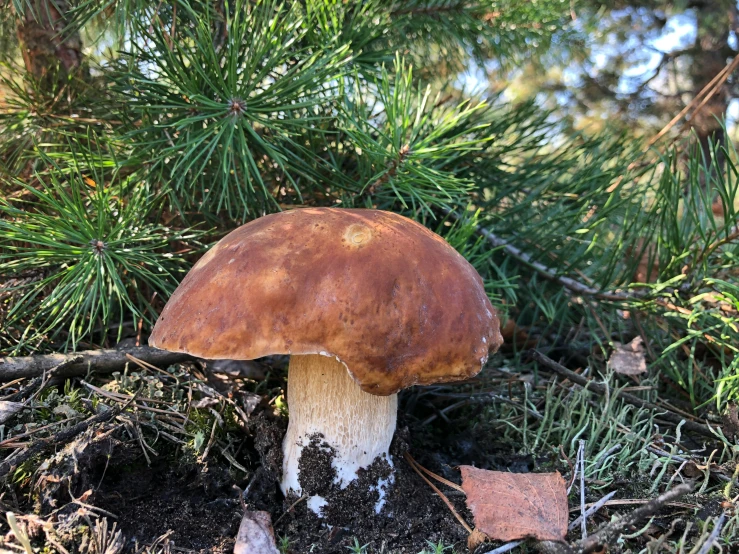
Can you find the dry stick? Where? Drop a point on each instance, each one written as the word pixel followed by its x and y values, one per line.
pixel 146 365
pixel 720 76
pixel 706 548
pixel 581 457
pixel 592 386
pixel 41 381
pixel 62 437
pixel 415 467
pixel 610 531
pixel 505 548
pixel 95 361
pixel 591 510
pixel 49 375
pixel 439 478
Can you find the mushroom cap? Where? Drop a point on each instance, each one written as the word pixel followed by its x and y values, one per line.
pixel 394 302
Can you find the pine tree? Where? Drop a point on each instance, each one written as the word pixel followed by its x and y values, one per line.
pixel 142 132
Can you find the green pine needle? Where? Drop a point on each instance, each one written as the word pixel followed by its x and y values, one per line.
pixel 83 255
pixel 219 109
pixel 407 145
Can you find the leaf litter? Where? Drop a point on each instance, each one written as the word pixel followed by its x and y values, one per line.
pixel 141 480
pixel 256 535
pixel 628 359
pixel 511 506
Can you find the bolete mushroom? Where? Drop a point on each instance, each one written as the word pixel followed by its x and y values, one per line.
pixel 365 302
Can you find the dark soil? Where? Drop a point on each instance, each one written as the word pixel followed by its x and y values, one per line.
pixel 197 509
pixel 411 516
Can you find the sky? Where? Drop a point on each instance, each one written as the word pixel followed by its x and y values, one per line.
pixel 678 33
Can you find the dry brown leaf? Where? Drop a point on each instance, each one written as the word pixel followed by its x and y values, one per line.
pixel 515 336
pixel 510 506
pixel 628 359
pixel 256 535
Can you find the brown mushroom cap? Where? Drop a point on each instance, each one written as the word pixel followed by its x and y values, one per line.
pixel 389 298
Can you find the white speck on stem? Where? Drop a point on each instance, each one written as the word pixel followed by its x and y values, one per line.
pixel 316 504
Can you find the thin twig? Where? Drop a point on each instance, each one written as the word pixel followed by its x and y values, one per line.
pixel 641 501
pixel 125 399
pixel 461 520
pixel 591 510
pixel 720 76
pixel 611 530
pixel 290 509
pixel 581 457
pixel 603 457
pixel 62 437
pixel 732 236
pixel 546 272
pixel 8 443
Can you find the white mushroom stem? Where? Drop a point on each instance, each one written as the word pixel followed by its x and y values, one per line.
pixel 323 398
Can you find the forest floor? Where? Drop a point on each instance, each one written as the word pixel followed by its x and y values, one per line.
pixel 174 470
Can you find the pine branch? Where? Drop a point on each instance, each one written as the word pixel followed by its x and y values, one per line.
pixel 85 234
pixel 546 272
pixel 219 120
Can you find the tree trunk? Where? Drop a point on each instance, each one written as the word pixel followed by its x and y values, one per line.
pixel 49 52
pixel 711 54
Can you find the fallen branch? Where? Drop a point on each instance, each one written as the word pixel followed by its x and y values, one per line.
pixel 82 363
pixel 35 387
pixel 61 438
pixel 708 545
pixel 612 530
pixel 592 386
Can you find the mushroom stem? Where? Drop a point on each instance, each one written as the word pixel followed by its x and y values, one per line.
pixel 324 399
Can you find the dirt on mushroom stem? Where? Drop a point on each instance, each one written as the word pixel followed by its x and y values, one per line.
pixel 355 427
pixel 410 516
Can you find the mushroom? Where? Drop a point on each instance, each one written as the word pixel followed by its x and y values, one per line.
pixel 365 302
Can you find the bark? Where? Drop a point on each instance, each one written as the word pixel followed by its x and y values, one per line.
pixel 711 53
pixel 50 53
pixel 93 361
